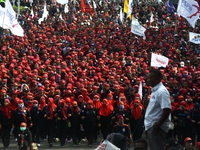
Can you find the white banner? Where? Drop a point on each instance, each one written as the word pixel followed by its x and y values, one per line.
pixel 106 145
pixel 62 2
pixel 130 7
pixel 194 38
pixel 189 9
pixel 121 15
pixel 140 90
pixel 9 20
pixel 136 28
pixel 159 60
pixel 44 15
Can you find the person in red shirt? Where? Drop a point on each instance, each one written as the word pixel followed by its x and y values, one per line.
pixel 136 120
pixel 105 112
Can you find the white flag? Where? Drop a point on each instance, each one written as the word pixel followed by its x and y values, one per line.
pixel 159 60
pixel 66 10
pixel 63 2
pixel 106 145
pixel 44 15
pixel 121 15
pixel 10 21
pixel 94 4
pixel 32 13
pixel 189 9
pixel 130 7
pixel 194 37
pixel 136 28
pixel 152 19
pixel 60 16
pixel 140 90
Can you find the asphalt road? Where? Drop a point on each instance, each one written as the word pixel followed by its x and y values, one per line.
pixel 56 145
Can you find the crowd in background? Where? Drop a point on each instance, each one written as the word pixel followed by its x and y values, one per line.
pixel 93 61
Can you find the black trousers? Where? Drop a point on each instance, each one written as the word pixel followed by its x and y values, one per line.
pixel 76 134
pixel 62 131
pixel 5 135
pixel 90 132
pixel 35 130
pixel 50 130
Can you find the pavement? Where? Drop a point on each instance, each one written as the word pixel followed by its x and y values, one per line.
pixel 56 145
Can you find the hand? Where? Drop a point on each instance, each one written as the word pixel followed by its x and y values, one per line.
pixel 28 148
pixel 198 122
pixel 31 124
pixel 48 118
pixel 193 121
pixel 58 118
pixel 99 125
pixel 0 126
pixel 156 127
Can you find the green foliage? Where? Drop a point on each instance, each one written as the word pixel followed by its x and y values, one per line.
pixel 16 8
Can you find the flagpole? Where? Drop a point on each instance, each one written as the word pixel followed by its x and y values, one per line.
pixel 18 11
pixel 3 20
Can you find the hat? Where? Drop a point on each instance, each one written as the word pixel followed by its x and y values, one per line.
pixel 197 106
pixel 183 103
pixel 120 117
pixel 197 145
pixel 187 139
pixel 23 124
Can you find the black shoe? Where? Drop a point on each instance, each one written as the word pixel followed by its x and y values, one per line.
pixel 50 145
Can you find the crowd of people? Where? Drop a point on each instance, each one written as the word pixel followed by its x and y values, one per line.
pixel 77 74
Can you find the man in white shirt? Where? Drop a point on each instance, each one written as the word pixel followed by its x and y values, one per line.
pixel 157 113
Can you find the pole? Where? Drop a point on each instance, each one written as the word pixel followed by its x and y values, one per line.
pixel 18 3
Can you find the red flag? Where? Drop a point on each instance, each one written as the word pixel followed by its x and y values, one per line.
pixel 86 6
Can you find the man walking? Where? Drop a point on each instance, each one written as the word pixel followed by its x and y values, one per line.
pixel 157 114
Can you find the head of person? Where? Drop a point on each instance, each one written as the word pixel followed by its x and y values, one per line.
pixel 23 126
pixel 20 104
pixel 74 104
pixel 35 103
pixel 141 144
pixel 121 105
pixel 188 143
pixel 6 102
pixel 120 119
pixel 197 146
pixel 90 104
pixel 154 77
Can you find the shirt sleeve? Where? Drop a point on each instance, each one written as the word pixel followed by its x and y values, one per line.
pixel 164 99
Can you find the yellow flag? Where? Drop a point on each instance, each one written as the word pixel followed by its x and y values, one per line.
pixel 126 6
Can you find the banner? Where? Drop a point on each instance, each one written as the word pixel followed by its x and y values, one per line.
pixel 189 9
pixel 140 90
pixel 106 145
pixel 194 38
pixel 44 15
pixel 136 28
pixel 159 60
pixel 121 15
pixel 130 7
pixel 126 6
pixel 66 9
pixel 170 7
pixel 86 6
pixel 62 2
pixel 8 20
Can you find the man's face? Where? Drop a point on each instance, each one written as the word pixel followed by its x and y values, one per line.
pixel 140 146
pixel 188 144
pixel 152 80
